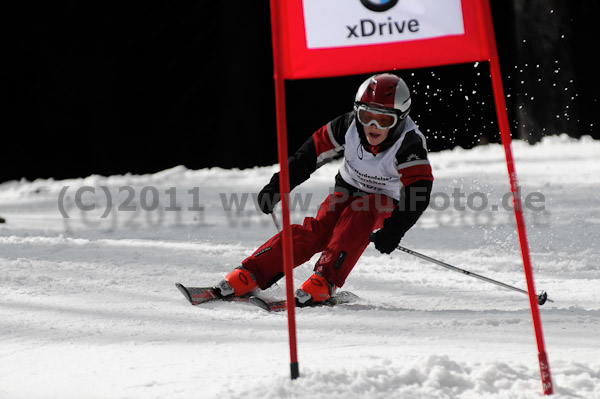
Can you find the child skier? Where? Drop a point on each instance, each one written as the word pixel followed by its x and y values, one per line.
pixel 384 182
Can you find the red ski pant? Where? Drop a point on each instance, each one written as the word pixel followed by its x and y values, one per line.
pixel 340 231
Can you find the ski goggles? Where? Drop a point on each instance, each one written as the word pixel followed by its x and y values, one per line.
pixel 373 116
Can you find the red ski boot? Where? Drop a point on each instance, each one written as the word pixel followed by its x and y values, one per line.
pixel 315 289
pixel 238 283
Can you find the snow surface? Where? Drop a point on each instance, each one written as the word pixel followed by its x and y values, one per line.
pixel 89 308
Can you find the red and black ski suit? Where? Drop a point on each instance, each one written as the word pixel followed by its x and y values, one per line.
pixel 385 186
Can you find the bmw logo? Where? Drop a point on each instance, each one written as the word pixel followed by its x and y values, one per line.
pixel 379 5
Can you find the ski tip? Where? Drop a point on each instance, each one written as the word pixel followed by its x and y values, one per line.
pixel 185 292
pixel 260 303
pixel 347 296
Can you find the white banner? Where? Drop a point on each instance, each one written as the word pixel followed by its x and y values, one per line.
pixel 347 23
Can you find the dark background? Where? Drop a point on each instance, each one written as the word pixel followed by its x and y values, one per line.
pixel 97 88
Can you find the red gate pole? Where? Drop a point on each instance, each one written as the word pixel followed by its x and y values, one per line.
pixel 284 182
pixel 490 42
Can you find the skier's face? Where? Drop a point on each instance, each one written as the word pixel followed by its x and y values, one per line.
pixel 375 136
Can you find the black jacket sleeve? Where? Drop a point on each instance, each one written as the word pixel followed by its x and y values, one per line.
pixel 413 202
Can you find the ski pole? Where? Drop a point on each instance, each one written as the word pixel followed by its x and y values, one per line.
pixel 275 221
pixel 542 297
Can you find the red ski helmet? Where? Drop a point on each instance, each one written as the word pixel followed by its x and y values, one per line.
pixel 386 92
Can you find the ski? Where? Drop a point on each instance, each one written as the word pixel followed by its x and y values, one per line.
pixel 339 298
pixel 198 295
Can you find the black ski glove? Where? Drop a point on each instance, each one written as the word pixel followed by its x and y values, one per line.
pixel 269 196
pixel 388 238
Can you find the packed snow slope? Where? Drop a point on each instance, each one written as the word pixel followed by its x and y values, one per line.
pixel 88 306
